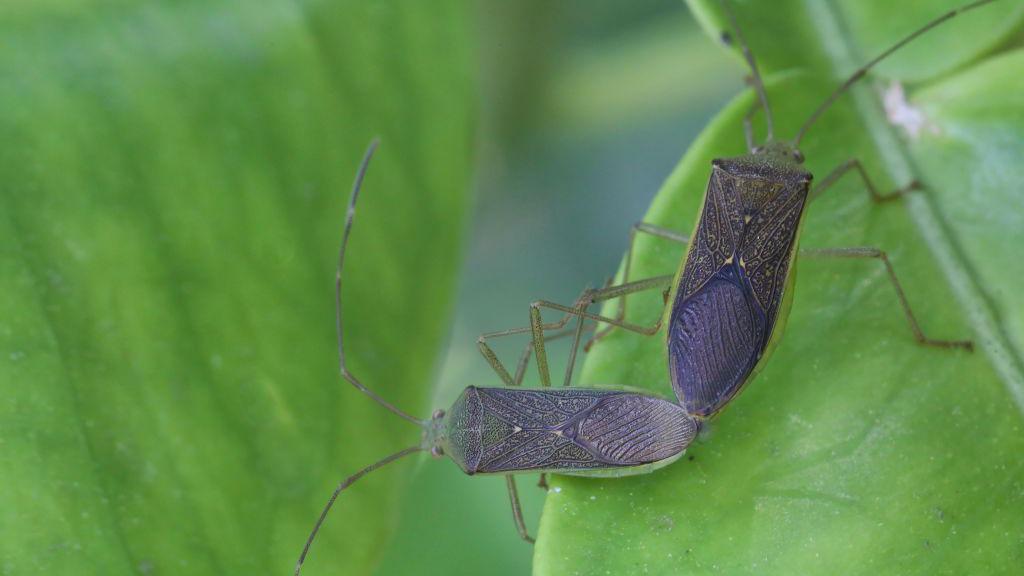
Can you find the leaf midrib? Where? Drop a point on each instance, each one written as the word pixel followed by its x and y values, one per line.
pixel 990 335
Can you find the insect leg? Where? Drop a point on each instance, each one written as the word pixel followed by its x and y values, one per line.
pixel 854 164
pixel 876 254
pixel 499 367
pixel 349 220
pixel 337 491
pixel 579 309
pixel 657 232
pixel 537 328
pixel 492 358
pixel 748 127
pixel 755 75
pixel 524 358
pixel 517 509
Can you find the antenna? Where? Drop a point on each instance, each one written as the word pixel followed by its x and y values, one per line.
pixel 350 216
pixel 863 69
pixel 749 56
pixel 351 479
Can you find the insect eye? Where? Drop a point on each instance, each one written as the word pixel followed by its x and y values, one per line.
pixel 437 451
pixel 438 414
pixel 798 156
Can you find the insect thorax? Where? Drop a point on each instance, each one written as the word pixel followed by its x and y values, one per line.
pixel 751 210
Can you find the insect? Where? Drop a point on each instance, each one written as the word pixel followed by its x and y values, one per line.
pixel 727 305
pixel 576 431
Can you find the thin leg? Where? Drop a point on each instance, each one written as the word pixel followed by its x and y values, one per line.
pixel 583 301
pixel 496 364
pixel 579 309
pixel 337 492
pixel 573 350
pixel 588 297
pixel 757 83
pixel 517 510
pixel 657 232
pixel 349 220
pixel 524 358
pixel 537 328
pixel 854 164
pixel 875 253
pixel 492 358
pixel 748 128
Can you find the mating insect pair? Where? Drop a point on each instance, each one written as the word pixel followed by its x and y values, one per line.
pixel 726 309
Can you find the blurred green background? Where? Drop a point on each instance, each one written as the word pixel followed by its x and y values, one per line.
pixel 587 107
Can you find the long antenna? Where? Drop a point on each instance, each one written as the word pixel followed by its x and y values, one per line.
pixel 758 84
pixel 346 483
pixel 350 216
pixel 863 69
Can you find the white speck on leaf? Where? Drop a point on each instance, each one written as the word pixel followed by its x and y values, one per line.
pixel 900 113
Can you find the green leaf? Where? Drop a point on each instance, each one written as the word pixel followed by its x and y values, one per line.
pixel 174 183
pixel 855 450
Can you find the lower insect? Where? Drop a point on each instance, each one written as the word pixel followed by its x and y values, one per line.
pixel 511 430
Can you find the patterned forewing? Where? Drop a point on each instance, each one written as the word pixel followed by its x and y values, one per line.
pixel 768 246
pixel 715 238
pixel 631 429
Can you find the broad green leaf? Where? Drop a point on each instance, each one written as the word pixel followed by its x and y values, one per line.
pixel 174 179
pixel 856 450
